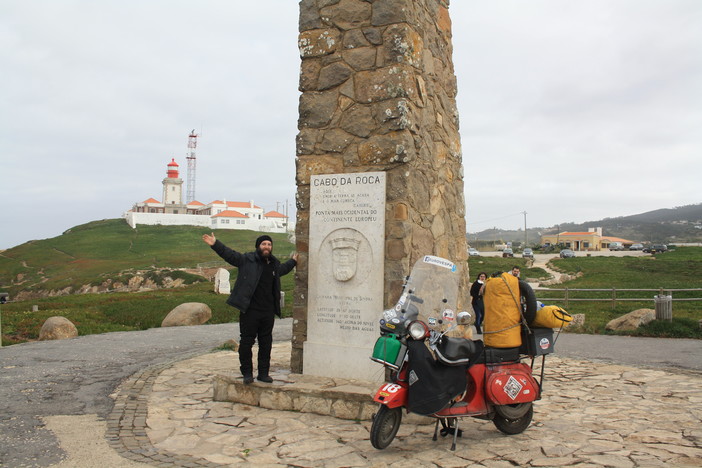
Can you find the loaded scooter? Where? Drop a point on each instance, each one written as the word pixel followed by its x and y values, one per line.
pixel 433 374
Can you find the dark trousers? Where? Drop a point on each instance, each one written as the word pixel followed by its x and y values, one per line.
pixel 256 324
pixel 478 308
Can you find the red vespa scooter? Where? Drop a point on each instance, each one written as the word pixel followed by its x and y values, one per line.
pixel 444 377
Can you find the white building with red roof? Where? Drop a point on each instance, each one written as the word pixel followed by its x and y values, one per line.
pixel 218 214
pixel 593 239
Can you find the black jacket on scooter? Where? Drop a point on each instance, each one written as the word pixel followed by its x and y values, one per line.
pixel 250 267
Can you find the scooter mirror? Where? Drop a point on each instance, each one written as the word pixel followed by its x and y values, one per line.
pixel 464 318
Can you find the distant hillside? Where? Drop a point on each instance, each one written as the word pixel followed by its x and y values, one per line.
pixel 669 225
pixel 100 253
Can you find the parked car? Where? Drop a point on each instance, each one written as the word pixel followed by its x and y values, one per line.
pixel 566 253
pixel 636 247
pixel 472 252
pixel 616 246
pixel 507 252
pixel 528 253
pixel 658 248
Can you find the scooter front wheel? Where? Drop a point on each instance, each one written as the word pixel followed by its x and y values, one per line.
pixel 512 425
pixel 385 425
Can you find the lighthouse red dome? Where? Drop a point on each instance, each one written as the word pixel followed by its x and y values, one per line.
pixel 172 172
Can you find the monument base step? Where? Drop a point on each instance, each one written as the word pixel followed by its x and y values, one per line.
pixel 327 396
pixel 341 398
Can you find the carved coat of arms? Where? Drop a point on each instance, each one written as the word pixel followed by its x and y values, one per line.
pixel 344 257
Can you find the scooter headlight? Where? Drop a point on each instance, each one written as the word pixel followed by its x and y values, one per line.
pixel 418 330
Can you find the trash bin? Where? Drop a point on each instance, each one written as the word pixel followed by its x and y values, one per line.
pixel 664 307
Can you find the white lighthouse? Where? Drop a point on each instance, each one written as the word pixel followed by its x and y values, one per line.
pixel 173 190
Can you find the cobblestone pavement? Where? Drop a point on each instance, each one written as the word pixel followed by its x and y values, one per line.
pixel 591 414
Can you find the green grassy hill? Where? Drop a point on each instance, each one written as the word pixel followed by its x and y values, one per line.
pixel 108 251
pixel 92 253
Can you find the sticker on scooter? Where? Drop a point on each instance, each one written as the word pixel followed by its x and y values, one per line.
pixel 401 301
pixel 448 315
pixel 512 388
pixel 544 343
pixel 390 388
pixel 438 261
pixel 413 377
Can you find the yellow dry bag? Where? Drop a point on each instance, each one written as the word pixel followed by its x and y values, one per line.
pixel 552 317
pixel 503 314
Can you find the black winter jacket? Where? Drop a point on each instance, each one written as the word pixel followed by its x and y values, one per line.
pixel 250 267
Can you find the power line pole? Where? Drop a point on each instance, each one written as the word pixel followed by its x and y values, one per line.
pixel 526 236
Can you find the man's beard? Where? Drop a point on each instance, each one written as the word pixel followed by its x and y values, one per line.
pixel 264 253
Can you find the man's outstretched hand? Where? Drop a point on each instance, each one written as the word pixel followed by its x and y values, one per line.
pixel 209 239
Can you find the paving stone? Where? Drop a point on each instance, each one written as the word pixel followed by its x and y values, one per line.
pixel 591 415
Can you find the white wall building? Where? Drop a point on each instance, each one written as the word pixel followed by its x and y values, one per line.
pixel 219 214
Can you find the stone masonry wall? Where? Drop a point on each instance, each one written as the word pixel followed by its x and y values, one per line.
pixel 378 94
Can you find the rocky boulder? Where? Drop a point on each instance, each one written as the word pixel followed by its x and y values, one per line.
pixel 632 320
pixel 578 320
pixel 188 313
pixel 57 328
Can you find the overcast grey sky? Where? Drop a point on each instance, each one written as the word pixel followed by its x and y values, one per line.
pixel 570 110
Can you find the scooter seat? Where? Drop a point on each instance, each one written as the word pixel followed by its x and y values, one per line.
pixel 458 351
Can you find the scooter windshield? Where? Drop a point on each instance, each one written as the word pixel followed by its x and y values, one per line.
pixel 430 295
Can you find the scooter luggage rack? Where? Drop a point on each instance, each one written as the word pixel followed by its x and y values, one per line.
pixel 543 362
pixel 541 376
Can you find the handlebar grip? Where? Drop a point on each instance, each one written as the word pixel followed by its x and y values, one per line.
pixel 416 299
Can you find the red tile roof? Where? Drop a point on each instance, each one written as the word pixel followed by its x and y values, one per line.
pixel 274 214
pixel 229 214
pixel 151 200
pixel 195 203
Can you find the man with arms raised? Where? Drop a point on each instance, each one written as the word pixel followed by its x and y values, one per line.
pixel 256 294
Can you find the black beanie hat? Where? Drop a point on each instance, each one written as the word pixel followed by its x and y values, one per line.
pixel 263 238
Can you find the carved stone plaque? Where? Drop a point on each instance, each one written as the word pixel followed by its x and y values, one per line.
pixel 346 266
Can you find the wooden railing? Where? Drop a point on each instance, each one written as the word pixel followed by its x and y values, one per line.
pixel 613 295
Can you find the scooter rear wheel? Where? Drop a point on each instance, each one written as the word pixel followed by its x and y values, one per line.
pixel 385 425
pixel 511 426
pixel 513 411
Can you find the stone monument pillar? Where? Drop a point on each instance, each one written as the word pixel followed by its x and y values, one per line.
pixel 378 99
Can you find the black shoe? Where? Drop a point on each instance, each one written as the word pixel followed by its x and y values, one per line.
pixel 265 378
pixel 248 379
